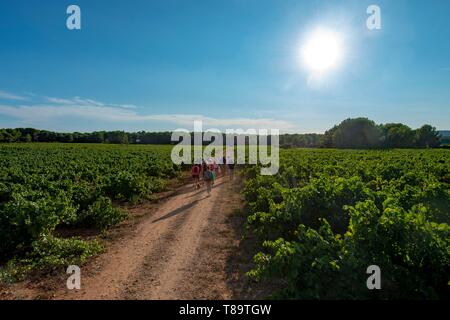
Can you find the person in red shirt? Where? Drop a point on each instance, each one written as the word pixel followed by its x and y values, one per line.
pixel 195 173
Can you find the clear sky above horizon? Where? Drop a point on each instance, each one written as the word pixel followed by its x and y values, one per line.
pixel 159 65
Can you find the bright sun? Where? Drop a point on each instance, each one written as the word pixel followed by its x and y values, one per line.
pixel 322 51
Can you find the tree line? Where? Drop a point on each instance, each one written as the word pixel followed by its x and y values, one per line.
pixel 114 137
pixel 365 133
pixel 350 133
pixel 362 133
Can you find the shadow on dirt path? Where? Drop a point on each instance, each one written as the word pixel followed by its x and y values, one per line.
pixel 188 246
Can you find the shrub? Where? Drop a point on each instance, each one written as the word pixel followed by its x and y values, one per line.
pixel 101 214
pixel 49 253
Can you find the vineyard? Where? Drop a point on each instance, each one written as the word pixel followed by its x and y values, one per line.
pixel 329 214
pixel 46 187
pixel 319 223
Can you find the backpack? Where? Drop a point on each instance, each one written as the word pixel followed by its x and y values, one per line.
pixel 208 175
pixel 195 170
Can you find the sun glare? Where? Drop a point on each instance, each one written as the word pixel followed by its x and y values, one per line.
pixel 322 51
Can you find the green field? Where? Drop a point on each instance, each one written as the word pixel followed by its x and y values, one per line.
pixel 320 222
pixel 46 186
pixel 329 214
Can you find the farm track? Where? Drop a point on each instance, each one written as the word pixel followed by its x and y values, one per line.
pixel 187 247
pixel 156 261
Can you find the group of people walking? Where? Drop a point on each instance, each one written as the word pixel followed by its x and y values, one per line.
pixel 208 171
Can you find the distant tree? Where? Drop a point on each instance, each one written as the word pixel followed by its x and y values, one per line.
pixel 357 133
pixel 96 137
pixel 308 140
pixel 27 138
pixel 397 135
pixel 10 135
pixel 124 139
pixel 66 137
pixel 327 138
pixel 427 136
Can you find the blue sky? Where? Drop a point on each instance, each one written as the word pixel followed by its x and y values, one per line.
pixel 159 65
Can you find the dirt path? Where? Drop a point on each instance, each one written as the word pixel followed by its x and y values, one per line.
pixel 184 247
pixel 187 246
